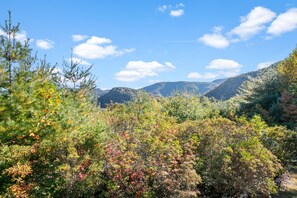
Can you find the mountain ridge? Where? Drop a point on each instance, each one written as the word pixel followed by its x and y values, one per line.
pixel 161 89
pixel 220 89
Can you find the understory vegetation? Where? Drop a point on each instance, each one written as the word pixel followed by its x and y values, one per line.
pixel 56 142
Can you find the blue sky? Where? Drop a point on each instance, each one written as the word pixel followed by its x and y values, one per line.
pixel 136 43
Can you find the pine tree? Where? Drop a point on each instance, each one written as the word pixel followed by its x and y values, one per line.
pixel 12 52
pixel 79 77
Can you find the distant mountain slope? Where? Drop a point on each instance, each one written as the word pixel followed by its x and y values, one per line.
pixel 168 88
pixel 163 89
pixel 117 95
pixel 230 86
pixel 99 92
pixel 219 81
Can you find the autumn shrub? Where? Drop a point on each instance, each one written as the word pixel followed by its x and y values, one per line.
pixel 51 144
pixel 51 138
pixel 189 107
pixel 70 161
pixel 281 141
pixel 144 156
pixel 232 161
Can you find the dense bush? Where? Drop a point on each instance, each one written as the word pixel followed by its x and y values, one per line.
pixel 189 107
pixel 231 159
pixel 144 156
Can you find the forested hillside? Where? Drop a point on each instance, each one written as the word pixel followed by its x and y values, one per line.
pixel 169 88
pixel 162 89
pixel 55 141
pixel 231 86
pixel 117 95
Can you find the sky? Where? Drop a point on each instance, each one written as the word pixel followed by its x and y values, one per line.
pixel 137 43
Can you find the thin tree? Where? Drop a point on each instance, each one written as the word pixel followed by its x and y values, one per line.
pixel 12 50
pixel 74 73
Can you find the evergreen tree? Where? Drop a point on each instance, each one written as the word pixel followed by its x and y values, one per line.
pixel 12 51
pixel 77 76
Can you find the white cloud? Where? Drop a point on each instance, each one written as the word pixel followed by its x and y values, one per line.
pixel 285 22
pixel 136 70
pixel 170 65
pixel 57 70
pixel 45 44
pixel 128 76
pixel 176 13
pixel 223 64
pixel 173 10
pixel 20 36
pixel 2 33
pixel 124 51
pixel 217 29
pixel 264 65
pixel 206 76
pixel 78 37
pixel 80 61
pixel 215 40
pixel 163 8
pixel 96 48
pixel 223 67
pixel 253 23
pixel 180 5
pixel 91 51
pixel 97 40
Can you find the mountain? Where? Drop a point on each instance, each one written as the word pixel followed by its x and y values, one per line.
pixel 220 89
pixel 219 81
pixel 99 92
pixel 230 87
pixel 168 88
pixel 162 89
pixel 117 95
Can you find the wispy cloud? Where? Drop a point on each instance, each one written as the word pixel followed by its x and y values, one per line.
pixel 98 48
pixel 176 10
pixel 80 61
pixel 163 8
pixel 285 22
pixel 45 44
pixel 79 37
pixel 136 70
